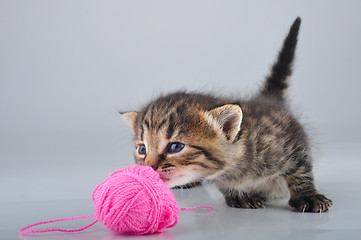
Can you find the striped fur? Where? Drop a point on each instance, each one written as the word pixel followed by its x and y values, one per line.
pixel 253 150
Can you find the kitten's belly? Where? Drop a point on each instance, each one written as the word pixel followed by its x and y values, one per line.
pixel 271 187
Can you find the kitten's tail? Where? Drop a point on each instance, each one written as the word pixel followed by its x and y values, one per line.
pixel 277 81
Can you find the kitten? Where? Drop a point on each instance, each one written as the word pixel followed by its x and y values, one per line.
pixel 250 149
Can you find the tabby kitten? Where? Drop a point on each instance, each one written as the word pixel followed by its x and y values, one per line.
pixel 250 149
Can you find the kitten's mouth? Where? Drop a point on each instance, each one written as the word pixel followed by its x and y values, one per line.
pixel 171 179
pixel 165 179
pixel 165 176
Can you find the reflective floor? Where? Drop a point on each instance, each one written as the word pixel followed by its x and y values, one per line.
pixel 337 173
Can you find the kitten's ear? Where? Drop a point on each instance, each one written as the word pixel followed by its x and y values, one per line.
pixel 227 118
pixel 129 118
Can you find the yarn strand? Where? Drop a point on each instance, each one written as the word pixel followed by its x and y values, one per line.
pixel 199 207
pixel 192 208
pixel 24 232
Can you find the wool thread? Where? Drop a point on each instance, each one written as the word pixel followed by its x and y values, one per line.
pixel 132 200
pixel 24 232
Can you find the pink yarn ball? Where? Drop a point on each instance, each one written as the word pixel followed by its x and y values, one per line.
pixel 135 200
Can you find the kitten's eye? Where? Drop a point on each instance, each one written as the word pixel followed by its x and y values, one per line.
pixel 175 147
pixel 142 150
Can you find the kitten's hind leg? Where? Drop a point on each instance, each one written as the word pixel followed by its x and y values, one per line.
pixel 304 197
pixel 245 200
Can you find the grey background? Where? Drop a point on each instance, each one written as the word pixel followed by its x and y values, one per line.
pixel 66 67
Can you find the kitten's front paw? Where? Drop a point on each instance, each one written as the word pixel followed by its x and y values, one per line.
pixel 316 203
pixel 253 201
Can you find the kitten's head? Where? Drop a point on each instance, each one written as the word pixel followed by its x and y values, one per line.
pixel 185 137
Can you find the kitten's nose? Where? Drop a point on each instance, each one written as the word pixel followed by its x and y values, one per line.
pixel 152 160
